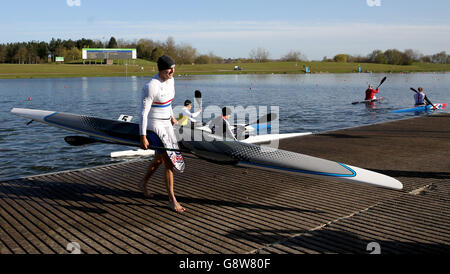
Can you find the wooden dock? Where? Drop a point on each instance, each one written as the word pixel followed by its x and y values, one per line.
pixel 240 211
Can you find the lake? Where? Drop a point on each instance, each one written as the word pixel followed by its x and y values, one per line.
pixel 314 102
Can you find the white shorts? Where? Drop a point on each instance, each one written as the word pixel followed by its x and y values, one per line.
pixel 164 130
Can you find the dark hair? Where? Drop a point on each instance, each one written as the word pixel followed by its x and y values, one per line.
pixel 187 103
pixel 226 111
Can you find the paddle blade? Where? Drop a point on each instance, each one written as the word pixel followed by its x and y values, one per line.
pixel 382 81
pixel 198 100
pixel 266 118
pixel 79 140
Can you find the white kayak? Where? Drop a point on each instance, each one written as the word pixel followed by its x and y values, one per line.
pixel 225 152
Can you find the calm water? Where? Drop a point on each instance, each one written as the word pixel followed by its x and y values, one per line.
pixel 318 102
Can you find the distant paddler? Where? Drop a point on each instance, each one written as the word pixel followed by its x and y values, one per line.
pixel 370 92
pixel 419 97
pixel 186 115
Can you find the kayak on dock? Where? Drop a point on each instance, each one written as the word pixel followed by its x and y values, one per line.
pixel 210 148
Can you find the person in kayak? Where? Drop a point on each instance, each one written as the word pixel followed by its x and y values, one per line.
pixel 419 98
pixel 370 93
pixel 220 125
pixel 186 115
pixel 157 116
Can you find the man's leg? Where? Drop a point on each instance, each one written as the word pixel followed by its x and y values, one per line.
pixel 173 204
pixel 157 161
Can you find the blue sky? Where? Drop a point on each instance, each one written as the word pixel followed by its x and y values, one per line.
pixel 233 28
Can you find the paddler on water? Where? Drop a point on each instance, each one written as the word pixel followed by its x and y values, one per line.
pixel 157 116
pixel 220 126
pixel 370 93
pixel 419 98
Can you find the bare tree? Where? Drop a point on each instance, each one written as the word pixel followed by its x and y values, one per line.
pixel 259 55
pixel 413 55
pixel 439 58
pixel 186 54
pixel 294 56
pixel 170 47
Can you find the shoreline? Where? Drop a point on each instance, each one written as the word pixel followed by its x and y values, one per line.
pixel 30 71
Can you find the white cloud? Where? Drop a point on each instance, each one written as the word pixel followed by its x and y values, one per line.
pixel 73 3
pixel 315 40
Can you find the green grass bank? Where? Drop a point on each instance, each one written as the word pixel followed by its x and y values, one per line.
pixel 145 68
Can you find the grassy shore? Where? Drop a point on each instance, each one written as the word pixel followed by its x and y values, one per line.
pixel 144 68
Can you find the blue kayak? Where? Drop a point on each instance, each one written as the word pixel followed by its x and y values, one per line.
pixel 421 108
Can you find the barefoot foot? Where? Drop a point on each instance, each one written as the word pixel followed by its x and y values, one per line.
pixel 176 207
pixel 143 187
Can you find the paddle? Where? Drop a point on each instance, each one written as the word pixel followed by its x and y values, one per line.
pixel 198 99
pixel 264 119
pixel 382 81
pixel 426 98
pixel 82 140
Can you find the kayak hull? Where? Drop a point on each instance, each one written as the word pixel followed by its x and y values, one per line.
pixel 225 152
pixel 380 99
pixel 422 108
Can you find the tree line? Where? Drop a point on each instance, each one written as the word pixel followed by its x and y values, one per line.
pixel 38 52
pixel 393 57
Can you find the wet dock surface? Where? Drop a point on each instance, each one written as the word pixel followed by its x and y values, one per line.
pixel 237 210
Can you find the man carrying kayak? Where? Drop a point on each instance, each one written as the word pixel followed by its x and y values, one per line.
pixel 370 93
pixel 419 97
pixel 157 117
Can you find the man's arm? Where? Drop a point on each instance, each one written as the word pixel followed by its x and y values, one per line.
pixel 195 114
pixel 146 104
